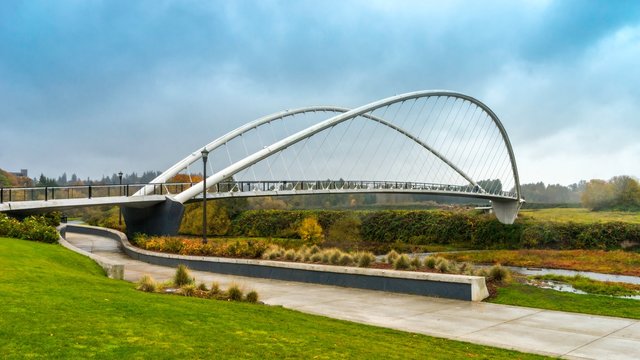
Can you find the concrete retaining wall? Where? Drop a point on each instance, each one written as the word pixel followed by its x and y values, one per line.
pixel 113 269
pixel 460 287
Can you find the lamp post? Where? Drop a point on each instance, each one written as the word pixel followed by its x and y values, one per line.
pixel 205 155
pixel 120 215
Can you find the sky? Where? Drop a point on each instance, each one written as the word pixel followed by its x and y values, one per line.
pixel 97 87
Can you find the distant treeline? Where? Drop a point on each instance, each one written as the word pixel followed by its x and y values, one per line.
pixel 619 193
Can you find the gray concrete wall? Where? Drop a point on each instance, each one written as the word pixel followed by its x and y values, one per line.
pixel 460 287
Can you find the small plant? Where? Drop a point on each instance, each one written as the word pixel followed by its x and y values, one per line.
pixel 147 284
pixel 188 290
pixel 234 293
pixel 415 263
pixel 365 259
pixel 402 262
pixel 202 287
pixel 430 262
pixel 443 265
pixel 465 268
pixel 215 289
pixel 499 274
pixel 290 255
pixel 326 256
pixel 299 255
pixel 252 297
pixel 482 272
pixel 316 257
pixel 345 260
pixel 335 256
pixel 182 276
pixel 392 256
pixel 314 249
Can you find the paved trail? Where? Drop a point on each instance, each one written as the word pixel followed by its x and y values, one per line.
pixel 569 335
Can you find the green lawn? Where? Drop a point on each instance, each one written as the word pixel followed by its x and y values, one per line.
pixel 579 215
pixel 58 304
pixel 531 296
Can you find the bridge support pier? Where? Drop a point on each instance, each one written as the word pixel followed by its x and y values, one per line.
pixel 160 219
pixel 506 211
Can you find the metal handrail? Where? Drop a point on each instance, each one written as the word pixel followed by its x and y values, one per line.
pixel 46 193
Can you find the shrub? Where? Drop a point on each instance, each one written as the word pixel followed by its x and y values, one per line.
pixel 215 289
pixel 314 249
pixel 234 293
pixel 310 231
pixel 290 255
pixel 392 256
pixel 345 260
pixel 300 255
pixel 316 257
pixel 202 287
pixel 146 284
pixel 252 297
pixel 465 268
pixel 443 265
pixel 416 263
pixel 430 262
pixel 499 274
pixel 402 262
pixel 326 256
pixel 345 231
pixel 182 276
pixel 188 290
pixel 335 256
pixel 365 259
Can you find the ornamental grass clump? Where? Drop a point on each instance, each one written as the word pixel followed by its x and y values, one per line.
pixel 326 256
pixel 345 260
pixel 215 289
pixel 443 265
pixel 364 259
pixel 290 255
pixel 316 257
pixel 335 256
pixel 430 262
pixel 499 274
pixel 402 262
pixel 252 297
pixel 234 293
pixel 314 249
pixel 202 287
pixel 147 284
pixel 182 276
pixel 188 290
pixel 415 263
pixel 392 256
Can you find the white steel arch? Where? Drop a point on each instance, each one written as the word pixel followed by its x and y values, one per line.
pixel 274 148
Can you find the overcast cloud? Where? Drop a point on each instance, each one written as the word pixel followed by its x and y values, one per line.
pixel 95 87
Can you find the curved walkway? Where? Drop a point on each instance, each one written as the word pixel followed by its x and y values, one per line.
pixel 569 335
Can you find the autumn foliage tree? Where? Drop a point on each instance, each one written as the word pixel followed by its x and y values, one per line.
pixel 310 231
pixel 619 193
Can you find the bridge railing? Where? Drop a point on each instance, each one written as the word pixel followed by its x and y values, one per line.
pixel 46 193
pixel 13 194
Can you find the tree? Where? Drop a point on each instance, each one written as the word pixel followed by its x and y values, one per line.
pixel 218 221
pixel 310 231
pixel 598 195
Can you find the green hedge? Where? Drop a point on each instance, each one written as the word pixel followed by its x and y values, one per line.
pixel 424 227
pixel 35 228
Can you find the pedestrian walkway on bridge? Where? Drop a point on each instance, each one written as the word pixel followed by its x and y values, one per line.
pixel 568 335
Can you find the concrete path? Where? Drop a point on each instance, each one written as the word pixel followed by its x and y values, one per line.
pixel 569 335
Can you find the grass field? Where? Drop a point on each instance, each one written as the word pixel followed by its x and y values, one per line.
pixel 608 262
pixel 578 215
pixel 531 296
pixel 58 304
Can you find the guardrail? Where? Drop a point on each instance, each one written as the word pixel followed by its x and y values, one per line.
pixel 46 193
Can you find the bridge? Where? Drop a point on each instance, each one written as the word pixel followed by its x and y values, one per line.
pixel 425 142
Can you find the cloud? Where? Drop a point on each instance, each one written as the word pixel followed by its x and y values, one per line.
pixel 137 85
